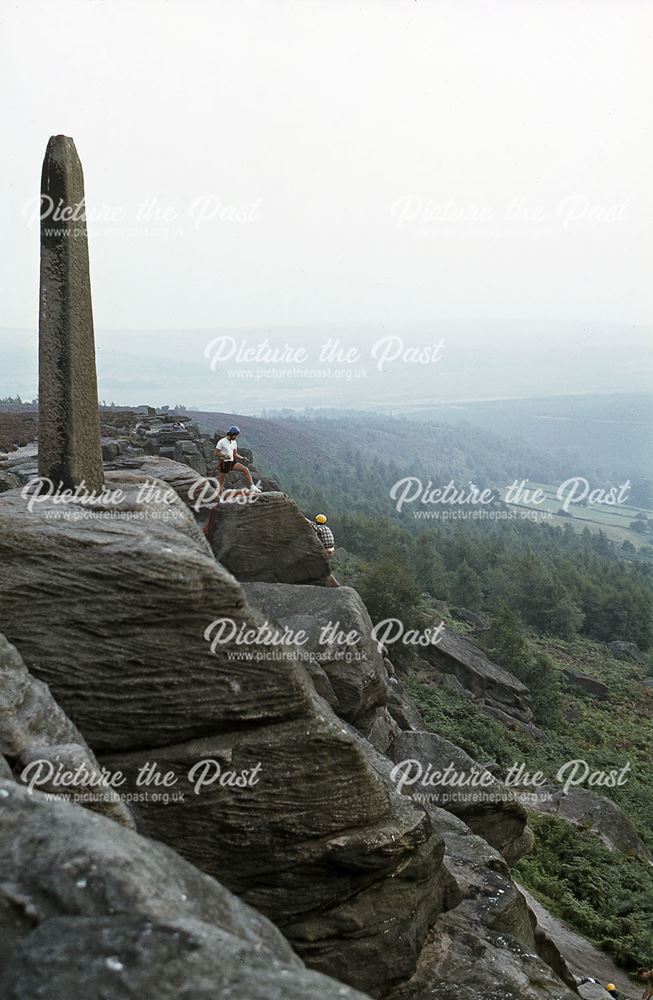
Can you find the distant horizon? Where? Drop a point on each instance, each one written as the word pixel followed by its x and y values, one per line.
pixel 478 361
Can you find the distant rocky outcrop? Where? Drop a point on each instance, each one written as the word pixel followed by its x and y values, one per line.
pixel 626 651
pixel 588 685
pixel 589 811
pixel 497 692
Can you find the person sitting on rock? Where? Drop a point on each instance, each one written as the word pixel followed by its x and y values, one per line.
pixel 324 534
pixel 614 992
pixel 226 454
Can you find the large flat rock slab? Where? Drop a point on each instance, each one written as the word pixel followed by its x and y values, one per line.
pixel 488 682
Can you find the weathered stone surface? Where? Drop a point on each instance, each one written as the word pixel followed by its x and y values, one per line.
pixel 483 947
pixel 326 616
pixel 379 727
pixel 21 463
pixel 33 727
pixel 589 685
pixel 69 420
pixel 589 811
pixel 110 449
pixel 94 910
pixel 489 809
pixel 593 991
pixel 181 478
pixel 268 540
pixel 119 958
pixel 485 680
pixel 8 482
pixel 320 844
pixel 189 453
pixel 29 715
pixel 140 599
pixel 579 957
pixel 74 759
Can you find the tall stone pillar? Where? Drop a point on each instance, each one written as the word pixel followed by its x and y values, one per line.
pixel 69 420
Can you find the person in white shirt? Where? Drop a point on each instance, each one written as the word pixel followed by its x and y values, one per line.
pixel 226 455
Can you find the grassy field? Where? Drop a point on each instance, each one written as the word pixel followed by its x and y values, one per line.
pixel 614 520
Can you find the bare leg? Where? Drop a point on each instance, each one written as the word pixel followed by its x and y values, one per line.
pixel 248 475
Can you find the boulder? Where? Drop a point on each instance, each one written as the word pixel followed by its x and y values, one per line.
pixel 94 910
pixel 320 843
pixel 441 774
pixel 153 960
pixel 488 682
pixel 588 685
pixel 110 449
pixel 379 727
pixel 268 540
pixel 188 453
pixel 335 630
pixel 469 617
pixel 589 811
pixel 181 478
pixel 626 651
pixel 141 591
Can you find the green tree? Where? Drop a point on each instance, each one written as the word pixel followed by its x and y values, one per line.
pixel 390 590
pixel 566 618
pixel 466 587
pixel 506 641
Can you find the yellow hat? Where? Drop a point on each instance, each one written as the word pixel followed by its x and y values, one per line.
pixel 320 518
pixel 611 987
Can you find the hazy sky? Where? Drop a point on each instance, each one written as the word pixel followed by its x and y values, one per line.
pixel 337 162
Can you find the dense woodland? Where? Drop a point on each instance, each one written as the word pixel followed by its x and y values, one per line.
pixel 558 580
